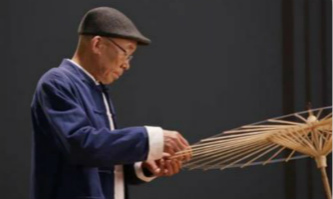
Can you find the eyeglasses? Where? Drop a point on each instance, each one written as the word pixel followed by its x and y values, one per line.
pixel 129 58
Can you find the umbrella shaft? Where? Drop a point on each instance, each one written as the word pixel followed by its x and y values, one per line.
pixel 326 183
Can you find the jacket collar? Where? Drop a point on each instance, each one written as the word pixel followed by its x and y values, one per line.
pixel 79 71
pixel 83 74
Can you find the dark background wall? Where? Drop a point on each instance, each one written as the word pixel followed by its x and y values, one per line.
pixel 212 66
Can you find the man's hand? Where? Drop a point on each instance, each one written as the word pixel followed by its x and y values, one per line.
pixel 174 142
pixel 163 167
pixel 167 166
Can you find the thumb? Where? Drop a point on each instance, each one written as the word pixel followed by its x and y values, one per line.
pixel 154 168
pixel 166 155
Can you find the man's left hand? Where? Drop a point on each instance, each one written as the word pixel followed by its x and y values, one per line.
pixel 163 167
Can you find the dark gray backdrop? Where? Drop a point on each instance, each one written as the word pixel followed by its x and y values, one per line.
pixel 212 66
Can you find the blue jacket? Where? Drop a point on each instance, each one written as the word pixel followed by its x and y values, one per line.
pixel 74 150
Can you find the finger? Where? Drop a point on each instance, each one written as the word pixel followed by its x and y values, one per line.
pixel 169 168
pixel 176 144
pixel 180 164
pixel 183 140
pixel 162 167
pixel 188 154
pixel 182 151
pixel 179 149
pixel 175 166
pixel 170 149
pixel 166 155
pixel 154 168
pixel 183 156
pixel 182 144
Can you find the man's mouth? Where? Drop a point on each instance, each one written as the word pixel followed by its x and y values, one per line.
pixel 117 74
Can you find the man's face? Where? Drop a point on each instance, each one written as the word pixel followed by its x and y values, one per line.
pixel 114 58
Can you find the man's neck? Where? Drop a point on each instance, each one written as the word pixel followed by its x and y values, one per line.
pixel 85 64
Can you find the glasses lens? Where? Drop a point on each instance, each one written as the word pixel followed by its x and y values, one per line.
pixel 129 58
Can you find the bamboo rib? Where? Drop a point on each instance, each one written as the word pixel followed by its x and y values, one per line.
pixel 291 145
pixel 300 117
pixel 265 126
pixel 211 151
pixel 325 136
pixel 239 131
pixel 320 139
pixel 327 116
pixel 257 151
pixel 319 113
pixel 223 138
pixel 328 147
pixel 198 150
pixel 284 122
pixel 249 130
pixel 290 155
pixel 201 147
pixel 308 132
pixel 285 116
pixel 274 155
pixel 240 148
pixel 231 156
pixel 306 141
pixel 316 139
pixel 262 154
pixel 221 146
pixel 259 162
pixel 226 143
pixel 300 139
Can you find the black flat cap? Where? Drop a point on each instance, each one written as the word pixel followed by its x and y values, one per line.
pixel 109 22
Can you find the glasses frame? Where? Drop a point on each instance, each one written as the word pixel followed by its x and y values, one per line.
pixel 128 57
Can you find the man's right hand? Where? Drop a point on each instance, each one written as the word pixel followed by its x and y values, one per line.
pixel 174 142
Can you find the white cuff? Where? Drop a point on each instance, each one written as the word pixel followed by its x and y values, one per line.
pixel 156 142
pixel 139 173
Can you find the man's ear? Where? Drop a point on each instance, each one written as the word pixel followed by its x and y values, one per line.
pixel 96 45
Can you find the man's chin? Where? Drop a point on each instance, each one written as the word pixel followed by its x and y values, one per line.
pixel 108 81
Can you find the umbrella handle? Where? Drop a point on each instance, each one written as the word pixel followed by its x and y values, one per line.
pixel 326 183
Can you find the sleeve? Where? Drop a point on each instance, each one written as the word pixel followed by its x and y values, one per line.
pixel 83 144
pixel 156 140
pixel 135 175
pixel 143 174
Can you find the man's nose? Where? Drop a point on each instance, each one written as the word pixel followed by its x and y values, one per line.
pixel 126 66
